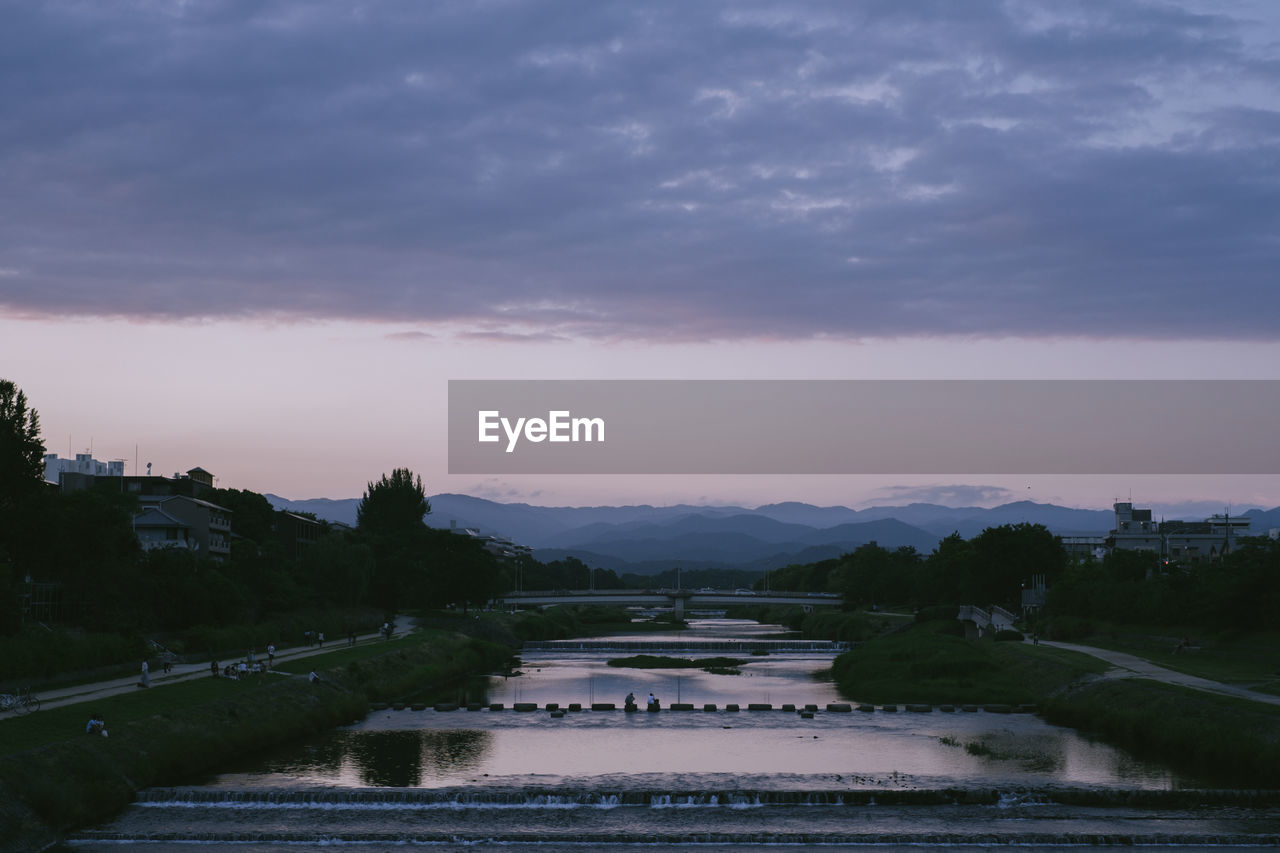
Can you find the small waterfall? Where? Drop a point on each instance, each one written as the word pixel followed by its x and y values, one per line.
pixel 605 645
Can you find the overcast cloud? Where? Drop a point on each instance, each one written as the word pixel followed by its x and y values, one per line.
pixel 648 170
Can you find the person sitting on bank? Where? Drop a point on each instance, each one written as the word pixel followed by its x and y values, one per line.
pixel 213 667
pixel 630 701
pixel 96 725
pixel 653 702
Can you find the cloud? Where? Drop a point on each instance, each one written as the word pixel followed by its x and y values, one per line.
pixel 502 492
pixel 411 335
pixel 652 172
pixel 958 495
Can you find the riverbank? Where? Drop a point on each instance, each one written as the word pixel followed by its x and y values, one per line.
pixel 162 737
pixel 1232 741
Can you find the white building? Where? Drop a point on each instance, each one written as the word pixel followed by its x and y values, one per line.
pixel 84 463
pixel 1176 541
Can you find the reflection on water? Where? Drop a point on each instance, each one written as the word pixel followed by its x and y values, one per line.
pixel 693 779
pixel 402 759
pixel 430 749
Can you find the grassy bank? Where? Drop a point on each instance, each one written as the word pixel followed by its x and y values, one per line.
pixel 54 778
pixel 1250 659
pixel 1233 742
pixel 933 663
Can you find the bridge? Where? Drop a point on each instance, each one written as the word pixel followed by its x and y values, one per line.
pixel 678 600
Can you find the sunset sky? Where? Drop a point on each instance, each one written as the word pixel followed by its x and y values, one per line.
pixel 260 238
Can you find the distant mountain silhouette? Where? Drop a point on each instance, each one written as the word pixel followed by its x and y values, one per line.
pixel 647 539
pixel 343 510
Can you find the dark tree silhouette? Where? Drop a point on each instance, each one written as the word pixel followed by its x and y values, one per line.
pixel 21 450
pixel 393 506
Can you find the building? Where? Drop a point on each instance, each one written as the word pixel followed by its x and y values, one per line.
pixel 1176 541
pixel 208 525
pixel 296 532
pixel 1134 530
pixel 156 528
pixel 1081 548
pixel 194 484
pixel 84 463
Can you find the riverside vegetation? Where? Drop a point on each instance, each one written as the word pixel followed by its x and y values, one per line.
pixel 54 778
pixel 1228 741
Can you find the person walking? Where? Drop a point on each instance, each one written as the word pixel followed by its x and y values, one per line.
pixel 146 675
pixel 271 655
pixel 213 667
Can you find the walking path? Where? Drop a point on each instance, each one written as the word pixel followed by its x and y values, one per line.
pixel 185 672
pixel 1131 666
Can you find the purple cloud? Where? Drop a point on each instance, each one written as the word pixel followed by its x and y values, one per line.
pixel 662 171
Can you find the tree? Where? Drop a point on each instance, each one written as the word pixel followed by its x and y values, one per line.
pixel 389 519
pixel 393 506
pixel 1006 557
pixel 21 450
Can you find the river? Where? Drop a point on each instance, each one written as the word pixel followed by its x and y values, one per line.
pixel 713 780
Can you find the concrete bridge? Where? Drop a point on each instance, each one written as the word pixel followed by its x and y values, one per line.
pixel 678 600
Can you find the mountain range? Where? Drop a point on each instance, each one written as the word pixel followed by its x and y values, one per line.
pixel 647 539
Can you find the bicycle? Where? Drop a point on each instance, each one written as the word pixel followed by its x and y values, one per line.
pixel 23 701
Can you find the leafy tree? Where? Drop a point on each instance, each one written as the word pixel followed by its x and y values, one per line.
pixel 390 520
pixel 875 575
pixel 1006 557
pixel 252 516
pixel 459 571
pixel 339 568
pixel 393 506
pixel 21 450
pixel 946 574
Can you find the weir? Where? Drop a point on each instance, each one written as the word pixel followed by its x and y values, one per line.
pixel 692 646
pixel 606 816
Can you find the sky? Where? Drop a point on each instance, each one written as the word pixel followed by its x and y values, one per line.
pixel 261 238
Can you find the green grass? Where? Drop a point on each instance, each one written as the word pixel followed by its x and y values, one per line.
pixel 1245 659
pixel 1075 660
pixel 932 663
pixel 343 655
pixel 51 725
pixel 1229 741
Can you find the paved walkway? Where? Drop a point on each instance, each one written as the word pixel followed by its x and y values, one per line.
pixel 185 672
pixel 1131 666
